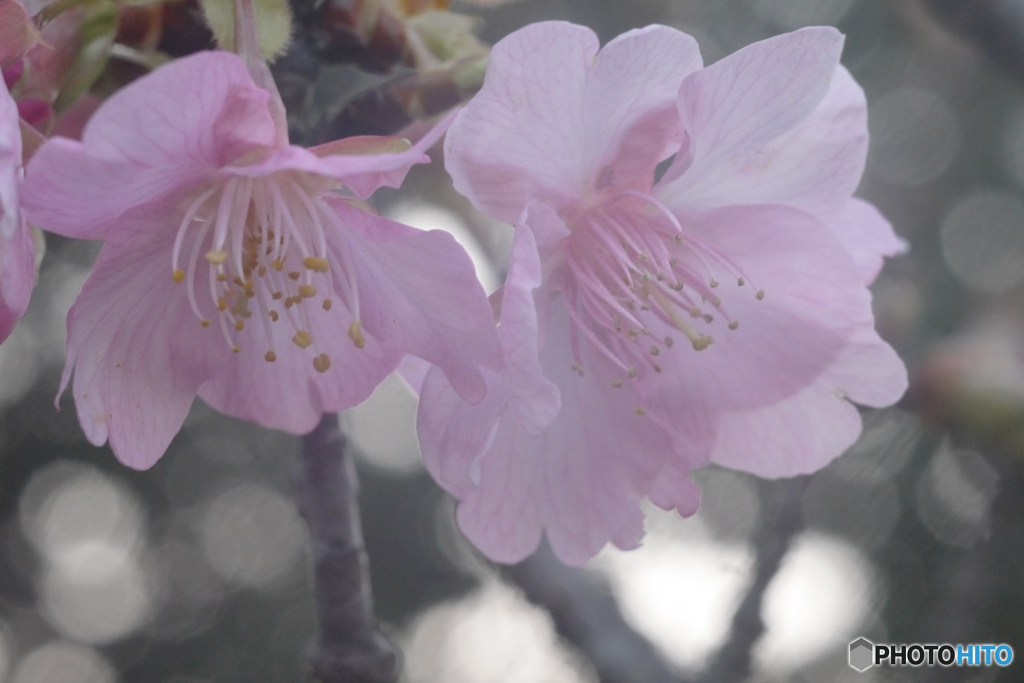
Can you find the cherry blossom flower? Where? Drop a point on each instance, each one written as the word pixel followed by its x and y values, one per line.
pixel 233 268
pixel 718 313
pixel 17 250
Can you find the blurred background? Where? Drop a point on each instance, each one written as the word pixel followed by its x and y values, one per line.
pixel 197 571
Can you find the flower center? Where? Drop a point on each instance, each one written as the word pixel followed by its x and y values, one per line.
pixel 262 243
pixel 630 263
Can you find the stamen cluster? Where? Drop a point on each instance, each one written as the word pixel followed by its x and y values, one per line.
pixel 629 261
pixel 265 251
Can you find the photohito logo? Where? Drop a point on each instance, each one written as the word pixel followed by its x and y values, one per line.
pixel 864 654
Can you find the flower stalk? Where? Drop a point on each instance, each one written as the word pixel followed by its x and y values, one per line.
pixel 350 646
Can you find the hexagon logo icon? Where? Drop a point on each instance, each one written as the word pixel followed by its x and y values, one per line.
pixel 862 654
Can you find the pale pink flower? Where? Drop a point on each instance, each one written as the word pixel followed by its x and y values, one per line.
pixel 718 315
pixel 17 251
pixel 233 268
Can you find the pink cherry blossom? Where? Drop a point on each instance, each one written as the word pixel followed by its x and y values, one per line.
pixel 17 251
pixel 233 268
pixel 720 314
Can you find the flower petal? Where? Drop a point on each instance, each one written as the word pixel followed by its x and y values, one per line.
pixel 536 396
pixel 135 371
pixel 537 132
pixel 288 393
pixel 581 480
pixel 362 173
pixel 868 236
pixel 10 165
pixel 798 435
pixel 153 139
pixel 17 33
pixel 418 294
pixel 734 109
pixel 454 435
pixel 814 301
pixel 17 277
pixel 805 432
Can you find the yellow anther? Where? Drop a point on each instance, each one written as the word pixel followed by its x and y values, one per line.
pixel 632 373
pixel 238 281
pixel 288 303
pixel 713 283
pixel 276 296
pixel 307 291
pixel 236 348
pixel 270 357
pixel 355 333
pixel 178 275
pixel 640 410
pixel 322 363
pixel 317 263
pixel 205 323
pixel 694 312
pixel 239 325
pixel 217 256
pixel 327 304
pixel 222 304
pixel 277 264
pixel 261 271
pixel 702 342
pixel 617 383
pixel 274 316
pixel 734 324
pixel 302 339
pixel 295 275
pixel 222 277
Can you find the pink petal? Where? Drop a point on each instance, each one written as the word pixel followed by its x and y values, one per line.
pixel 17 34
pixel 136 350
pixel 536 396
pixel 362 173
pixel 10 165
pixel 554 114
pixel 419 294
pixel 805 432
pixel 580 481
pixel 155 138
pixel 868 236
pixel 17 277
pixel 289 394
pixel 734 109
pixel 413 371
pixel 798 435
pixel 454 435
pixel 814 300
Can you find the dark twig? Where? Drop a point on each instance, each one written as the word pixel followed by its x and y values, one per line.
pixel 350 647
pixel 586 615
pixel 732 664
